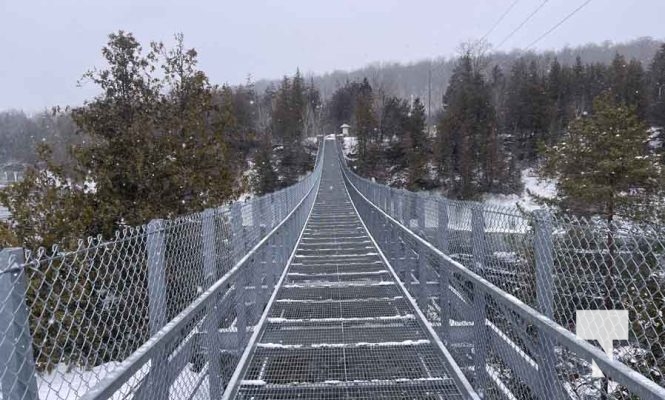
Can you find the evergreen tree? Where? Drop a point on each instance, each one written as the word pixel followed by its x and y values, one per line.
pixel 528 108
pixel 342 104
pixel 602 164
pixel 558 92
pixel 245 107
pixel 282 114
pixel 394 120
pixel 265 179
pixel 657 88
pixel 288 127
pixel 466 128
pixel 627 82
pixel 364 119
pixel 193 132
pixel 155 151
pixel 504 174
pixel 297 106
pixel 497 83
pixel 578 83
pixel 636 90
pixel 417 143
pixel 227 121
pixel 596 81
pixel 313 111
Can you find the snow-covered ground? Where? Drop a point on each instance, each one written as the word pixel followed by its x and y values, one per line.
pixel 65 383
pixel 71 383
pixel 349 145
pixel 313 140
pixel 545 188
pixel 656 137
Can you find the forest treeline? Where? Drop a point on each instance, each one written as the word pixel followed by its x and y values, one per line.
pixel 419 78
pixel 20 133
pixel 497 121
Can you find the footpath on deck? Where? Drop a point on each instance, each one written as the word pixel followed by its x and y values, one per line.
pixel 340 325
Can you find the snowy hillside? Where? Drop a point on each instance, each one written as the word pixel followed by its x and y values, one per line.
pixel 533 184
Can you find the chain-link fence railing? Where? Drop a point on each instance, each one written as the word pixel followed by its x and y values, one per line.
pixel 553 265
pixel 161 311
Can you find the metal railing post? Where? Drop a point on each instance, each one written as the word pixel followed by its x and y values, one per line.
pixel 478 237
pixel 256 214
pixel 17 366
pixel 480 334
pixel 412 265
pixel 212 318
pixel 273 265
pixel 213 354
pixel 266 252
pixel 404 263
pixel 421 205
pixel 422 276
pixel 397 212
pixel 444 301
pixel 283 244
pixel 271 208
pixel 390 201
pixel 280 206
pixel 544 254
pixel 258 221
pixel 405 217
pixel 241 308
pixel 237 237
pixel 238 240
pixel 156 246
pixel 443 232
pixel 209 233
pixel 387 237
pixel 271 278
pixel 382 198
pixel 392 244
pixel 156 249
pixel 252 276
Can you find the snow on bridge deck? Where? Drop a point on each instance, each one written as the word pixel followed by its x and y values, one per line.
pixel 340 325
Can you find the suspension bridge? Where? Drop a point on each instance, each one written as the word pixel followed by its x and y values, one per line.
pixel 336 287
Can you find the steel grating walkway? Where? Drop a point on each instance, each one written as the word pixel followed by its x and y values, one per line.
pixel 340 325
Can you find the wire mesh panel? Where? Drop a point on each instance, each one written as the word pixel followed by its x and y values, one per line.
pixel 161 310
pixel 539 266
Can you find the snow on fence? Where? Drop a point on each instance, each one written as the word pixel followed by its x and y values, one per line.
pixel 521 276
pixel 150 313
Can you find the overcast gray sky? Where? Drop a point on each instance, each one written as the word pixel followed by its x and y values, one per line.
pixel 46 45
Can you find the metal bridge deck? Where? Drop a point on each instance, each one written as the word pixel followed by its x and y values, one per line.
pixel 340 325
